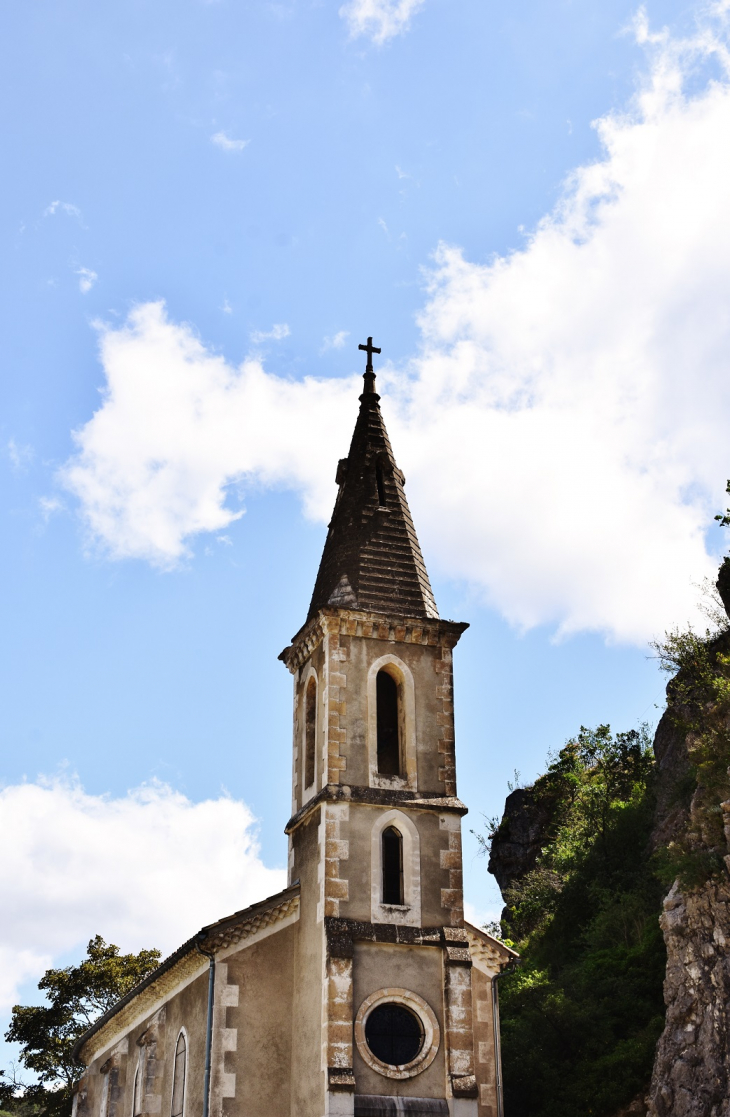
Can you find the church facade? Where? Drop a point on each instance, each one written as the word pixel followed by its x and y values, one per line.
pixel 359 990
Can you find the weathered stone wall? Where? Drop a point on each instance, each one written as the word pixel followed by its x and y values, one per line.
pixel 691 1075
pixel 417 968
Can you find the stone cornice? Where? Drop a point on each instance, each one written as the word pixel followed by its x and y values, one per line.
pixel 376 626
pixel 489 954
pixel 375 797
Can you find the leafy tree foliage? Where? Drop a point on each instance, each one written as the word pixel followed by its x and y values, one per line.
pixel 582 1013
pixel 76 996
pixel 699 706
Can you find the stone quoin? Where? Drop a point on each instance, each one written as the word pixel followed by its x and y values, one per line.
pixel 359 990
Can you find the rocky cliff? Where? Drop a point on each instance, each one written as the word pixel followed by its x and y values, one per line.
pixel 691 1073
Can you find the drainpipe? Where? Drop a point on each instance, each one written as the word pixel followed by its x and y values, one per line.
pixel 497 1044
pixel 209 1028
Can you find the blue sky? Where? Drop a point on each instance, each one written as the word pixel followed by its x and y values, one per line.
pixel 209 205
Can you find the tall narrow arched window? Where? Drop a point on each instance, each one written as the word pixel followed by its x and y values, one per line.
pixel 104 1106
pixel 386 693
pixel 392 866
pixel 178 1077
pixel 310 731
pixel 138 1095
pixel 380 481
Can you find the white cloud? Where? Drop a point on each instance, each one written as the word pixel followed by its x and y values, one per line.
pixel 63 207
pixel 74 865
pixel 49 505
pixel 87 279
pixel 221 140
pixel 20 455
pixel 563 426
pixel 227 308
pixel 336 341
pixel 277 333
pixel 380 20
pixel 178 424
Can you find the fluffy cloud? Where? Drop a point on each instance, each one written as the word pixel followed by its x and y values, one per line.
pixel 87 279
pixel 178 424
pixel 278 332
pixel 335 341
pixel 62 207
pixel 225 143
pixel 380 20
pixel 148 869
pixel 563 425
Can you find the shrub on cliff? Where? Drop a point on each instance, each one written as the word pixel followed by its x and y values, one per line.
pixel 582 1014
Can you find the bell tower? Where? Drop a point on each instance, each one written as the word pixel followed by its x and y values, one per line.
pixel 388 1005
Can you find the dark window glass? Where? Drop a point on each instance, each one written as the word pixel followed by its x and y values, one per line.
pixel 394 1034
pixel 392 844
pixel 178 1081
pixel 381 484
pixel 388 732
pixel 310 732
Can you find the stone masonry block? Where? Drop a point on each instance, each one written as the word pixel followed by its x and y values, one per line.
pixel 450 859
pixel 487 1101
pixel 338 890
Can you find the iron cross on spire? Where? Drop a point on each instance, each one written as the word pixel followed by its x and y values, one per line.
pixel 369 349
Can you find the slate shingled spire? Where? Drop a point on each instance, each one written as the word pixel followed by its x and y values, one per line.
pixel 371 559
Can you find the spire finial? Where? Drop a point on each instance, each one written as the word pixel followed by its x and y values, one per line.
pixel 369 375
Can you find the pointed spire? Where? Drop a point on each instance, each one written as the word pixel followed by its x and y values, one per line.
pixel 372 559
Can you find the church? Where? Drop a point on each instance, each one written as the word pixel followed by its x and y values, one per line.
pixel 360 990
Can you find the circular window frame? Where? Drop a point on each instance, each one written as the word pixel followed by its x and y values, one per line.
pixel 429 1023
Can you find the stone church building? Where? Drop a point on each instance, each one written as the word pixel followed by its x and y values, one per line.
pixel 359 990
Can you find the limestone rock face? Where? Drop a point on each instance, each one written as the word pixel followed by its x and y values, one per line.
pixel 520 837
pixel 723 584
pixel 692 1066
pixel 691 1076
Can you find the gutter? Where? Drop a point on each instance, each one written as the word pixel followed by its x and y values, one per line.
pixel 497 1039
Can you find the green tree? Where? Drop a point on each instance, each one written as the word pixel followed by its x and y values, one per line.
pixel 582 1013
pixel 76 996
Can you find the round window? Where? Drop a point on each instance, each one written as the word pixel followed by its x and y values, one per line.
pixel 394 1034
pixel 397 1033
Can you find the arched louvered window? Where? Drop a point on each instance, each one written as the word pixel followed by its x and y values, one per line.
pixel 392 866
pixel 310 731
pixel 386 691
pixel 178 1077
